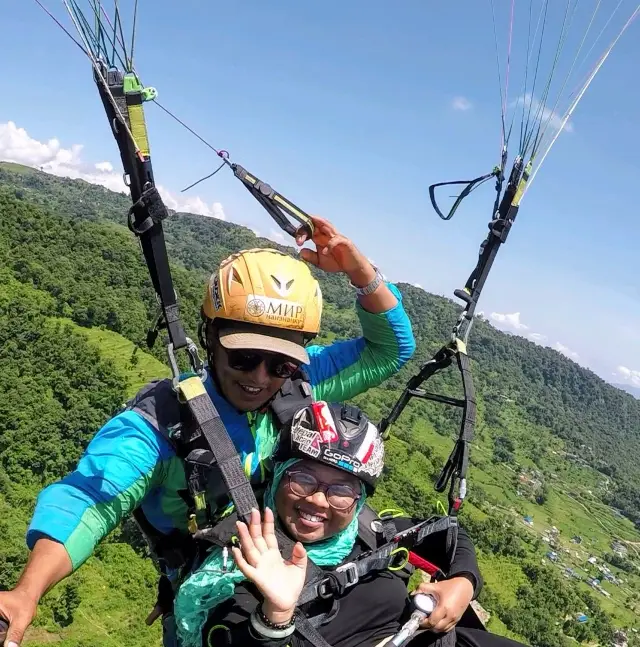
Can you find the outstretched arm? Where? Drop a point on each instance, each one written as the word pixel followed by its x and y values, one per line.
pixel 121 464
pixel 48 564
pixel 348 368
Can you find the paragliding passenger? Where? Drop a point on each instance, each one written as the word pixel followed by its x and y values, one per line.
pixel 327 463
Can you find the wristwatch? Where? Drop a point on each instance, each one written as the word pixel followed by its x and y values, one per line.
pixel 372 287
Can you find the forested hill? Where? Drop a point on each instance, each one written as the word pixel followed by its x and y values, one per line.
pixel 554 441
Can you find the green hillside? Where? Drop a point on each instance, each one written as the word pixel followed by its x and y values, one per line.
pixel 553 441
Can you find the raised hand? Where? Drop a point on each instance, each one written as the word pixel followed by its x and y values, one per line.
pixel 279 580
pixel 334 252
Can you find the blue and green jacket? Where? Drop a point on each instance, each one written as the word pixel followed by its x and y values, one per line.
pixel 129 464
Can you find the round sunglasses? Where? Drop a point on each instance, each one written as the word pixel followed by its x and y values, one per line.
pixel 340 496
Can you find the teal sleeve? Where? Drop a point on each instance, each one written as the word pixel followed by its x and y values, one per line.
pixel 121 464
pixel 347 368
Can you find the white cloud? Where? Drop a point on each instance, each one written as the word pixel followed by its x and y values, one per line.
pixel 277 237
pixel 512 323
pixel 508 321
pixel 461 103
pixel 554 119
pixel 417 285
pixel 191 205
pixel 16 145
pixel 566 351
pixel 628 375
pixel 105 167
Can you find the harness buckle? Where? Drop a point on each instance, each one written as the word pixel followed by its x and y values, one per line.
pixel 351 573
pixel 325 589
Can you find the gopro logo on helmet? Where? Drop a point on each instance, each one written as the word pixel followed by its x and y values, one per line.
pixel 341 459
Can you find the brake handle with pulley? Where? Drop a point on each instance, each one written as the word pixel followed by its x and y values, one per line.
pixel 281 209
pixel 276 205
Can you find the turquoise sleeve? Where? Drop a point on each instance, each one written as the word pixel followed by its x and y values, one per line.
pixel 121 464
pixel 347 368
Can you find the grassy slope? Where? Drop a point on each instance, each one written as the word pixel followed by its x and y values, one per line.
pixel 111 597
pixel 120 351
pixel 572 506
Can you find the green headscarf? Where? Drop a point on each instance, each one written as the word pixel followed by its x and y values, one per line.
pixel 209 585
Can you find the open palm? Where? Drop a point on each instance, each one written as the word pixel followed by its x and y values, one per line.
pixel 279 580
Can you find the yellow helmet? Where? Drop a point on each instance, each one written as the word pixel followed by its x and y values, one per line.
pixel 269 301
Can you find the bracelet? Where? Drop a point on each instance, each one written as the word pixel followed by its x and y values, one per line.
pixel 268 632
pixel 272 625
pixel 372 287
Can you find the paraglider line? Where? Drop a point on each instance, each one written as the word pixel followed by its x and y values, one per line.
pixel 204 178
pixel 64 29
pixel 573 106
pixel 506 90
pixel 221 153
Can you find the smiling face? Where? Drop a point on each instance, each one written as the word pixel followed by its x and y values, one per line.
pixel 311 518
pixel 245 390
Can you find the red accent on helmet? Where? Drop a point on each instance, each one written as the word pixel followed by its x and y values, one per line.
pixel 367 456
pixel 326 428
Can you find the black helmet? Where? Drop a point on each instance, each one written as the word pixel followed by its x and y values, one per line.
pixel 336 434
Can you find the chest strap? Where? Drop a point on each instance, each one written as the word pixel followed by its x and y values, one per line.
pixel 391 555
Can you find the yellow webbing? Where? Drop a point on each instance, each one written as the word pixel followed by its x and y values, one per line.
pixel 138 126
pixel 191 388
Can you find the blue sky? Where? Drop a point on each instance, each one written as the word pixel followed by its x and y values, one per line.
pixel 352 109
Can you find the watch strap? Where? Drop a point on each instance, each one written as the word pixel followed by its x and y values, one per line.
pixel 372 287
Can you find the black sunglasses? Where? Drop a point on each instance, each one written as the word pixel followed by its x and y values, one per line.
pixel 249 360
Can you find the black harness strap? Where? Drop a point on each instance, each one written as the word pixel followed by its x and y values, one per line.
pixel 499 228
pixel 122 97
pixel 218 451
pixel 148 210
pixel 456 467
pixel 295 394
pixel 307 630
pixel 336 582
pixel 455 470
